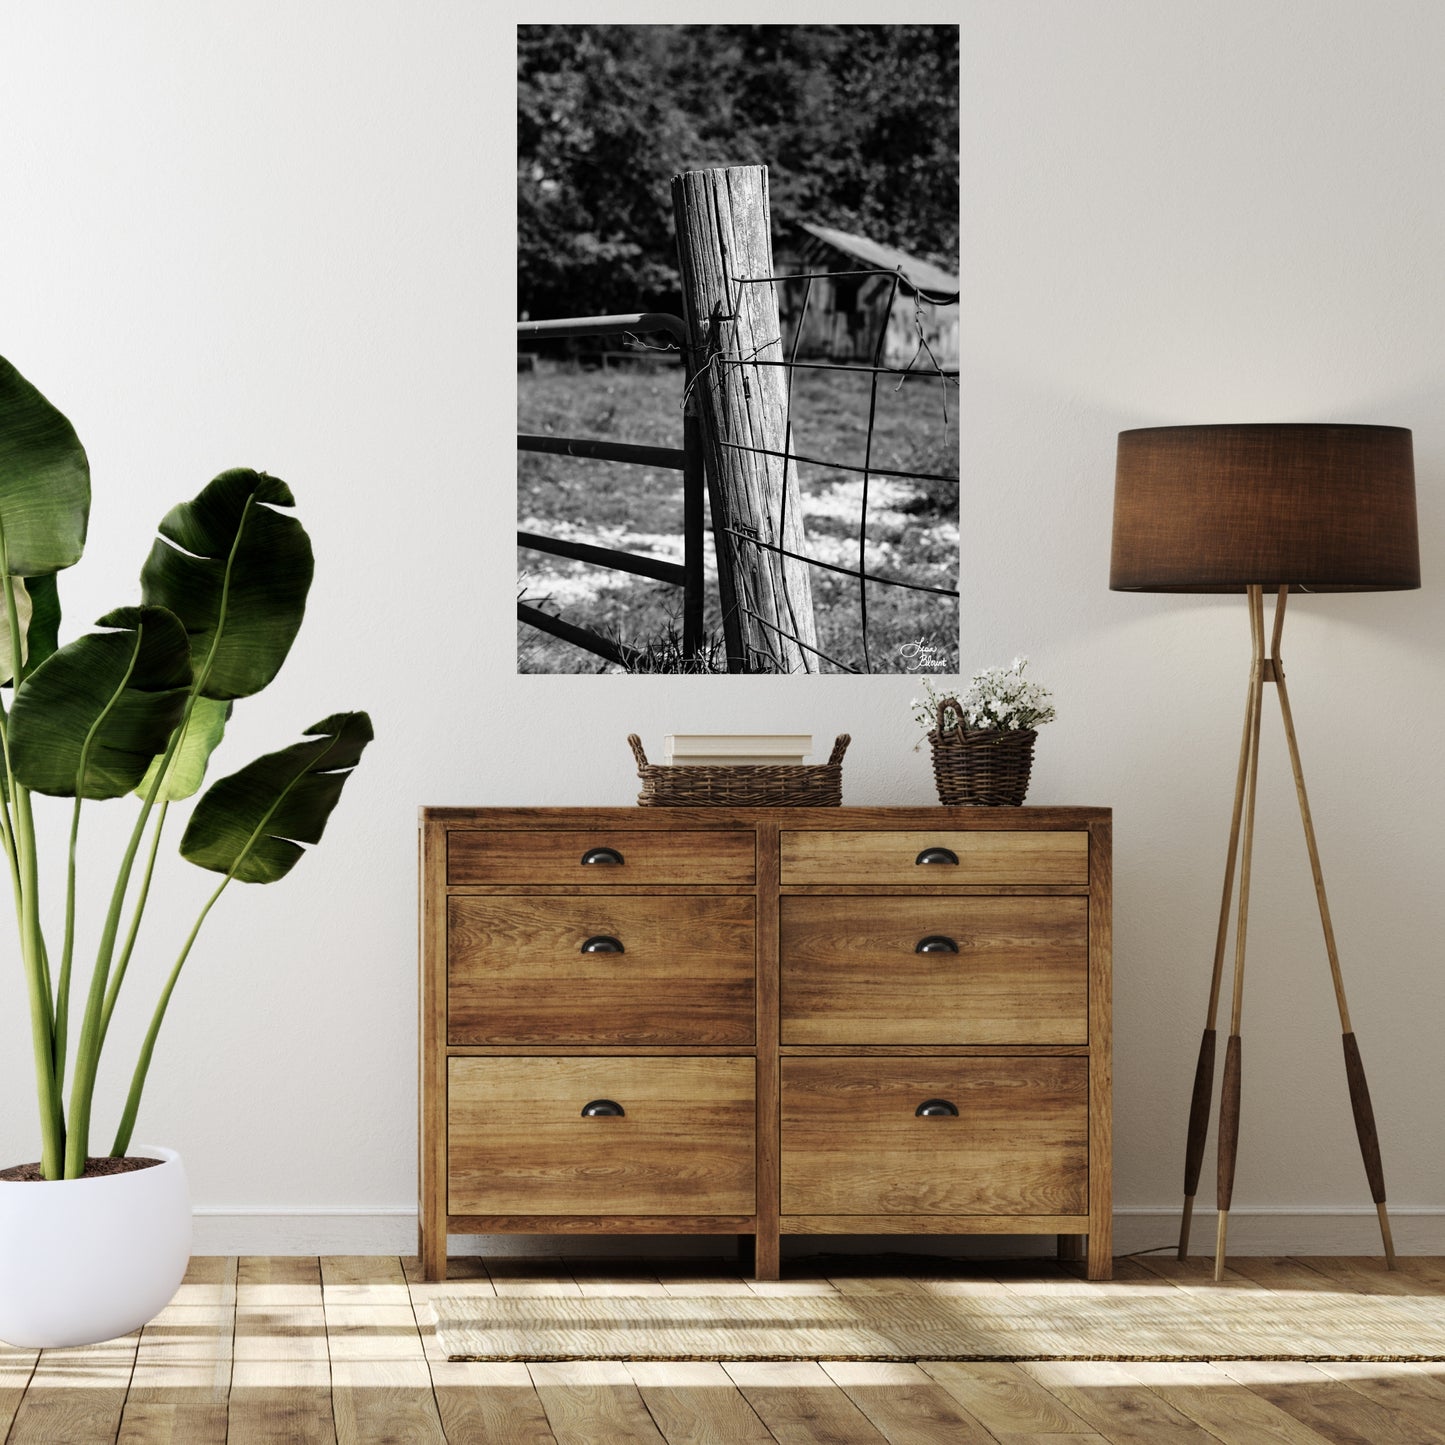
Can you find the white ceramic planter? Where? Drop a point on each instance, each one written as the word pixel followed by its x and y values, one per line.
pixel 84 1260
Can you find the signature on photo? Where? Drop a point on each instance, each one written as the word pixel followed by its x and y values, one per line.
pixel 923 657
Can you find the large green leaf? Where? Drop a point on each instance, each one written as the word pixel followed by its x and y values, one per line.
pixel 186 770
pixel 89 720
pixel 39 638
pixel 252 823
pixel 44 635
pixel 236 572
pixel 44 482
pixel 37 608
pixel 24 609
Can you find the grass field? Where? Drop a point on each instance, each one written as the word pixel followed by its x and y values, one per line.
pixel 911 525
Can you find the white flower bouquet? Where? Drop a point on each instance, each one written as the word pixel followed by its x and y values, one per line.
pixel 999 699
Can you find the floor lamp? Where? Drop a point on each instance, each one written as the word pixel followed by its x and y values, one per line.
pixel 1255 508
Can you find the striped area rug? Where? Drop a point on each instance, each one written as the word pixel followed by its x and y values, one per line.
pixel 1205 1325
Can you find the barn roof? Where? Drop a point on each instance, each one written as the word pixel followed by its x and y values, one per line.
pixel 924 275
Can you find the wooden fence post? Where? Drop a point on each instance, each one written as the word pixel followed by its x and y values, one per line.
pixel 723 238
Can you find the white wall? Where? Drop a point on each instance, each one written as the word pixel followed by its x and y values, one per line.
pixel 1222 211
pixel 275 235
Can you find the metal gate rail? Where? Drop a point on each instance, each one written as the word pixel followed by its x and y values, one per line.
pixel 687 459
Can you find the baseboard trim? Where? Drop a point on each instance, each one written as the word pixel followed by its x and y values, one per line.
pixel 218 1230
pixel 1277 1231
pixel 393 1231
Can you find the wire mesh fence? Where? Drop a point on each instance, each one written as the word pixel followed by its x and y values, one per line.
pixel 921 367
pixel 859 574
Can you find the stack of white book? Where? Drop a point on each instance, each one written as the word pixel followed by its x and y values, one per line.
pixel 690 749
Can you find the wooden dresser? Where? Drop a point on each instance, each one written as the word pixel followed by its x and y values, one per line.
pixel 765 1021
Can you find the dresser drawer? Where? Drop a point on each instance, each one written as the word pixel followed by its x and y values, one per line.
pixel 888 857
pixel 853 1143
pixel 600 970
pixel 518 1143
pixel 623 857
pixel 991 971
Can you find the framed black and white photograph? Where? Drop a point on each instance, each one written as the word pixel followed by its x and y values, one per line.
pixel 737 348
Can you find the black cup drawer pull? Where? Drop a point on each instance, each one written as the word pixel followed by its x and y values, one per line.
pixel 605 943
pixel 937 855
pixel 607 1109
pixel 936 1109
pixel 935 943
pixel 609 856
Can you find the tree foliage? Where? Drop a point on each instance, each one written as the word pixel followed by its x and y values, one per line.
pixel 857 124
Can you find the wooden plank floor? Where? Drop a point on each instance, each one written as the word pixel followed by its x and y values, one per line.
pixel 340 1351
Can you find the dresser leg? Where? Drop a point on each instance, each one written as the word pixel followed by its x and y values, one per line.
pixel 432 1250
pixel 1101 1253
pixel 1071 1246
pixel 767 1261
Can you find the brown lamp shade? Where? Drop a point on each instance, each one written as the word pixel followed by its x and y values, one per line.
pixel 1322 507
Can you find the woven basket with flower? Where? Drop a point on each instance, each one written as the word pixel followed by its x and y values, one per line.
pixel 983 741
pixel 981 767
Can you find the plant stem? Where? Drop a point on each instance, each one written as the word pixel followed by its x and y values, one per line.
pixel 17 888
pixel 67 950
pixel 30 882
pixel 145 887
pixel 42 1021
pixel 11 840
pixel 143 1063
pixel 87 1052
pixel 7 827
pixel 32 945
pixel 12 846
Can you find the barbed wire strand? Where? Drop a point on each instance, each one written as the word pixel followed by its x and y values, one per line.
pixel 788 446
pixel 842 466
pixel 842 571
pixel 923 348
pixel 901 371
pixel 773 627
pixel 867 458
pixel 943 298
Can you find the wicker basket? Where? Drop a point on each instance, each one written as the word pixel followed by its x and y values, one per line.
pixel 979 767
pixel 741 785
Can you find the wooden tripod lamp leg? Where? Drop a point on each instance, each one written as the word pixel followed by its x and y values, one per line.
pixel 1354 1068
pixel 1199 1104
pixel 1229 1095
pixel 1200 1100
pixel 1228 1148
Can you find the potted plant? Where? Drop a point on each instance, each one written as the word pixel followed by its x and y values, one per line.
pixel 92 1245
pixel 982 736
